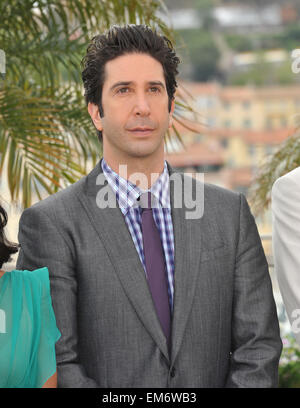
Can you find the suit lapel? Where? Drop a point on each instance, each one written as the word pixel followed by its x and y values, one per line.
pixel 112 229
pixel 187 243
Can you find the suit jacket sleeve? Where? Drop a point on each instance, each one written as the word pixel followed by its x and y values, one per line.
pixel 43 245
pixel 256 345
pixel 286 243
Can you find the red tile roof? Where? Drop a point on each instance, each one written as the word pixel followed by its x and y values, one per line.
pixel 254 137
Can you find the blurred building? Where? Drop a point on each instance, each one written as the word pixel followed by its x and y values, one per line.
pixel 233 16
pixel 239 127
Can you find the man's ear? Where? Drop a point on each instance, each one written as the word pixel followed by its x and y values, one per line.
pixel 94 114
pixel 171 113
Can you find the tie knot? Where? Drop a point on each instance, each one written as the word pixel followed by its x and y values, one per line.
pixel 146 200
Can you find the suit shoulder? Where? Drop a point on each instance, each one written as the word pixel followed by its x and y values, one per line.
pixel 213 191
pixel 61 198
pixel 220 192
pixel 217 199
pixel 222 200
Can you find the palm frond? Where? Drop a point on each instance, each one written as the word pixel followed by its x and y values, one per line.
pixel 285 159
pixel 47 138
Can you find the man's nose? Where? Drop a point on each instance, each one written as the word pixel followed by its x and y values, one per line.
pixel 141 105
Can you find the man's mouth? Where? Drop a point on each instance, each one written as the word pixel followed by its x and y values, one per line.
pixel 141 130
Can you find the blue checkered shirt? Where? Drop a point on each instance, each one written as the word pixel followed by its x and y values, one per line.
pixel 127 195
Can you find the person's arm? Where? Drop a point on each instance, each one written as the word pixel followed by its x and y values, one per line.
pixel 42 244
pixel 51 382
pixel 286 243
pixel 255 339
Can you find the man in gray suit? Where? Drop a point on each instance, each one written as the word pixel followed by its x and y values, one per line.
pixel 145 293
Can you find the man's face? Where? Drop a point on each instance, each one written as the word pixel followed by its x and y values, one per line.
pixel 135 106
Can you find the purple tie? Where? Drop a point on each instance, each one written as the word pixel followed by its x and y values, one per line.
pixel 155 265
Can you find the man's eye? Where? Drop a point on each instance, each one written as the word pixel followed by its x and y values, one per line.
pixel 154 89
pixel 122 90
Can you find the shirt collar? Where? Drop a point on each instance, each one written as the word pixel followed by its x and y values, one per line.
pixel 127 192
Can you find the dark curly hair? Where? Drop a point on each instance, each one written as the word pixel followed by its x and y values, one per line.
pixel 6 248
pixel 120 40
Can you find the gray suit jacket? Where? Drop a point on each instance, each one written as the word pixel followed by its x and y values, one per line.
pixel 225 329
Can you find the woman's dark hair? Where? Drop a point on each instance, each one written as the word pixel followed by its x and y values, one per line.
pixel 6 248
pixel 120 40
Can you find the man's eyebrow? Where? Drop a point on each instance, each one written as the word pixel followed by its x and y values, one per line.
pixel 157 83
pixel 126 83
pixel 119 84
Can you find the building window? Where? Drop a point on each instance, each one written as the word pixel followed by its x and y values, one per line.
pixel 224 142
pixel 247 123
pixel 283 103
pixel 201 102
pixel 251 150
pixel 227 123
pixel 297 103
pixel 283 122
pixel 211 122
pixel 204 102
pixel 268 104
pixel 210 102
pixel 226 105
pixel 246 104
pixel 198 137
pixel 269 123
pixel 268 150
pixel 231 161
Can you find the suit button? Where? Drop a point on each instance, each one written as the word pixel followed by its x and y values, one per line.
pixel 172 373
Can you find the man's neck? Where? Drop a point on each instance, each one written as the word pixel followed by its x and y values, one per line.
pixel 140 171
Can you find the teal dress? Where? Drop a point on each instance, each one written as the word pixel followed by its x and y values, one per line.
pixel 28 330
